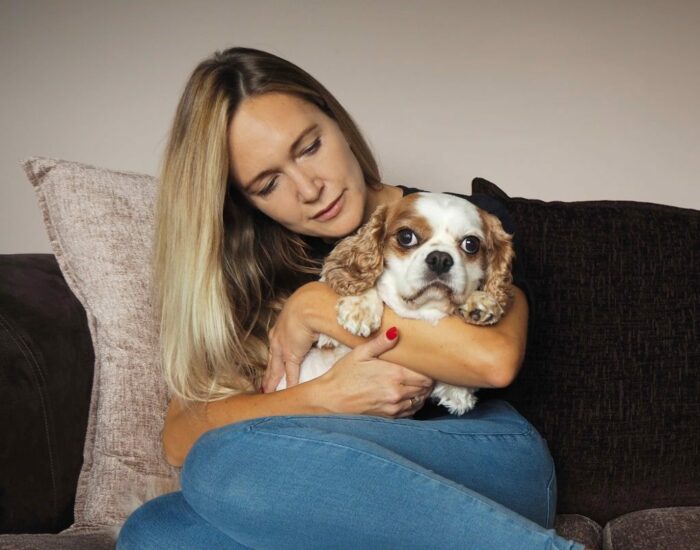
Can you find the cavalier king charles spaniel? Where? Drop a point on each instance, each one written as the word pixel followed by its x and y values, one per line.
pixel 426 256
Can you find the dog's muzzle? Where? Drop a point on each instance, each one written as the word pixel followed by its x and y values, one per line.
pixel 439 262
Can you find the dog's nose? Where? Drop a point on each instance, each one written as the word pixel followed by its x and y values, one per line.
pixel 439 262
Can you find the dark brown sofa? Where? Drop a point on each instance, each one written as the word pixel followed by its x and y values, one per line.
pixel 611 377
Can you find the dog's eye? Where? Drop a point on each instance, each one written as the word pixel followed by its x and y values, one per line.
pixel 471 245
pixel 407 238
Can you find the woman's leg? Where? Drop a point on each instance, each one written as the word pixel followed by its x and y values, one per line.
pixel 349 481
pixel 168 522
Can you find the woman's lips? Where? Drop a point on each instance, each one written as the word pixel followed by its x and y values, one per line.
pixel 332 211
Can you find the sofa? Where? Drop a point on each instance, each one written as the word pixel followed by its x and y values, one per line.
pixel 611 376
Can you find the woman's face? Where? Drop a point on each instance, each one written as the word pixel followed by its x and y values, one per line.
pixel 294 164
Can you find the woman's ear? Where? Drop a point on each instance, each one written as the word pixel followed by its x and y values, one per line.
pixel 356 262
pixel 499 259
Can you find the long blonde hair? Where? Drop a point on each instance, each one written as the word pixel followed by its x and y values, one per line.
pixel 221 269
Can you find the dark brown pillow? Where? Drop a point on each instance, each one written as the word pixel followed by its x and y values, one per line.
pixel 611 376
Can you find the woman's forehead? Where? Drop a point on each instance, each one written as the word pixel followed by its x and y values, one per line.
pixel 272 113
pixel 264 127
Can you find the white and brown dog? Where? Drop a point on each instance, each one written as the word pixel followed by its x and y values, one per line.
pixel 425 256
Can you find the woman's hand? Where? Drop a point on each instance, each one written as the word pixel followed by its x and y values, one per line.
pixel 289 340
pixel 360 383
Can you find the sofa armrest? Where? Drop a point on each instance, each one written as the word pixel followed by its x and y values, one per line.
pixel 46 367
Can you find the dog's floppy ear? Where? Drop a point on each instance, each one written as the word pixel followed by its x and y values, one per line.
pixel 499 259
pixel 356 262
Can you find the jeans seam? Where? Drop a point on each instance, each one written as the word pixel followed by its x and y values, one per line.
pixel 527 427
pixel 549 495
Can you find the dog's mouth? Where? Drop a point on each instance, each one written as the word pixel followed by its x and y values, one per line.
pixel 434 286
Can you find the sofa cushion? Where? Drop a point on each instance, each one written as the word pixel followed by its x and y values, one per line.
pixel 46 362
pixel 677 528
pixel 579 528
pixel 611 376
pixel 100 224
pixel 76 541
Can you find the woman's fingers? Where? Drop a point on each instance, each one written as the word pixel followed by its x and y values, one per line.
pixel 384 342
pixel 275 369
pixel 279 366
pixel 376 386
pixel 414 403
pixel 413 378
pixel 377 345
pixel 369 385
pixel 292 366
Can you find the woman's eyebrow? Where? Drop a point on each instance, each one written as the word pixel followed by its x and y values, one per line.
pixel 294 145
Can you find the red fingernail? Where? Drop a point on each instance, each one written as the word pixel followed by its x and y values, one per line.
pixel 262 390
pixel 392 333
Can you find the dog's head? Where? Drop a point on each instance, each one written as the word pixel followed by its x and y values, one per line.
pixel 426 247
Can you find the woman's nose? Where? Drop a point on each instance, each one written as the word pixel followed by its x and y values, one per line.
pixel 308 187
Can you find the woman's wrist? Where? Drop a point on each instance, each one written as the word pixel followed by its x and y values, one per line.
pixel 319 394
pixel 317 305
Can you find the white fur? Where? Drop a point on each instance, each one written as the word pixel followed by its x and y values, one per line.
pixel 451 218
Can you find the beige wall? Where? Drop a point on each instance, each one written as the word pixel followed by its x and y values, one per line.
pixel 550 100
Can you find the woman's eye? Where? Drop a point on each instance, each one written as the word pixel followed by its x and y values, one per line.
pixel 268 188
pixel 273 182
pixel 407 238
pixel 313 147
pixel 471 245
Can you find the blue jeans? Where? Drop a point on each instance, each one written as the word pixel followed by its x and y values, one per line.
pixel 483 480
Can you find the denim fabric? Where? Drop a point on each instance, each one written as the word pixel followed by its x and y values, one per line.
pixel 483 480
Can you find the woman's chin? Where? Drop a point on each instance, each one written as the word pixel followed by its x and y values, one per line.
pixel 338 228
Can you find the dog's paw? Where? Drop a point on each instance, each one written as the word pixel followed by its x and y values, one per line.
pixel 458 400
pixel 481 309
pixel 326 342
pixel 360 315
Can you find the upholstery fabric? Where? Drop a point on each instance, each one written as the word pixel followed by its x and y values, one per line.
pixel 677 528
pixel 46 362
pixel 81 541
pixel 100 225
pixel 579 528
pixel 616 332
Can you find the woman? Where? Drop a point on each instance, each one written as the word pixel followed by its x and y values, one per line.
pixel 264 170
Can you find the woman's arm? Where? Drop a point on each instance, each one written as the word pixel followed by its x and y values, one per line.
pixel 183 426
pixel 452 351
pixel 359 383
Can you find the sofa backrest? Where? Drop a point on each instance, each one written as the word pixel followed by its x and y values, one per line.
pixel 611 377
pixel 46 367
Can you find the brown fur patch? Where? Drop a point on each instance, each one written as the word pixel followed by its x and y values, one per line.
pixel 403 215
pixel 356 262
pixel 499 259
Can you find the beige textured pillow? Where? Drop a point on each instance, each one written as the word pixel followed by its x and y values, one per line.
pixel 100 224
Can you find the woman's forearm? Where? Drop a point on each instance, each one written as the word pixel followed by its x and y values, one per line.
pixel 183 426
pixel 452 351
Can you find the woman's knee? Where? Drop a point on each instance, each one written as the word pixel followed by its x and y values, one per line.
pixel 147 525
pixel 227 456
pixel 212 443
pixel 168 521
pixel 539 462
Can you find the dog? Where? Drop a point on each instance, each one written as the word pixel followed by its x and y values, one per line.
pixel 426 256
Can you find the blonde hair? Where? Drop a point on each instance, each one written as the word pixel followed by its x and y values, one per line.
pixel 221 269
